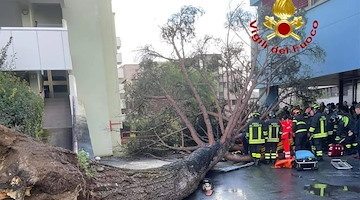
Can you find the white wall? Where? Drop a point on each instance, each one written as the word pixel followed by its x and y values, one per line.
pixel 37 48
pixel 93 50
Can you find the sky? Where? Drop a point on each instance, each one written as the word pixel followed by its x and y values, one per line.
pixel 137 22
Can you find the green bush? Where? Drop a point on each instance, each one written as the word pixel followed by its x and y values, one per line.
pixel 84 158
pixel 21 109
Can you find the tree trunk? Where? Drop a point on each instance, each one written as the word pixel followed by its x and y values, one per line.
pixel 172 181
pixel 31 168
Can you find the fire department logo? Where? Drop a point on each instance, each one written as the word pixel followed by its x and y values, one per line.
pixel 286 23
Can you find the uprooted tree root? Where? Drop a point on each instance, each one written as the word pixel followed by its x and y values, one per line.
pixel 35 171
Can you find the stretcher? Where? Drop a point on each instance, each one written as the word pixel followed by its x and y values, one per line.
pixel 234 167
pixel 305 160
pixel 340 164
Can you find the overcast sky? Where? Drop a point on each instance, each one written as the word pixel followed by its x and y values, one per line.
pixel 137 21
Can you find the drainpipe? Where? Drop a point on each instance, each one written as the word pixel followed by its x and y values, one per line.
pixel 74 132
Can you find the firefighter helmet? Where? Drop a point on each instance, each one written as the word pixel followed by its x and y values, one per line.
pixel 256 114
pixel 315 106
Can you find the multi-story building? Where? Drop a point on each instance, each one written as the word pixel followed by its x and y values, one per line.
pixel 338 33
pixel 126 74
pixel 67 51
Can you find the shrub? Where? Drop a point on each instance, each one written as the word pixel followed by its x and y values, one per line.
pixel 21 109
pixel 84 158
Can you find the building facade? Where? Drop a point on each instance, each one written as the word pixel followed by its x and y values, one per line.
pixel 67 49
pixel 339 35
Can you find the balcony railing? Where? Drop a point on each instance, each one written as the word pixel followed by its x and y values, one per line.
pixel 36 48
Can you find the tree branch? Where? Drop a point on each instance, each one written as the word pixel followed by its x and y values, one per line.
pixel 186 121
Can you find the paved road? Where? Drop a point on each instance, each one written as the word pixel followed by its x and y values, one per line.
pixel 265 183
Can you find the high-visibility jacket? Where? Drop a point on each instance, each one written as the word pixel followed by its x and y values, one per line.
pixel 318 125
pixel 300 125
pixel 255 131
pixel 273 130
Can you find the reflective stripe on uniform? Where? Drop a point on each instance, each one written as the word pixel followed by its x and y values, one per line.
pixel 345 120
pixel 319 153
pixel 320 135
pixel 267 156
pixel 273 155
pixel 311 129
pixel 258 139
pixel 301 130
pixel 322 125
pixel 273 133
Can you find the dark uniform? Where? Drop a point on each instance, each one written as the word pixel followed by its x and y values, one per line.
pixel 318 132
pixel 344 131
pixel 331 127
pixel 356 129
pixel 300 129
pixel 272 134
pixel 255 136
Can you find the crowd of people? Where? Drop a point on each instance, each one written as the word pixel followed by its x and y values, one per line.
pixel 314 128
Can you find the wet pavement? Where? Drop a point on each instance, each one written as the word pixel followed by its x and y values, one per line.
pixel 264 182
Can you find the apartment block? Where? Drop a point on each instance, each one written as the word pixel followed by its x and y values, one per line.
pixel 67 51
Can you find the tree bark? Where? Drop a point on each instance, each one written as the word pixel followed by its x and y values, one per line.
pixel 45 172
pixel 172 181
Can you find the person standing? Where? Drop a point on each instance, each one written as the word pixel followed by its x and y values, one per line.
pixel 356 129
pixel 272 134
pixel 317 131
pixel 300 130
pixel 255 136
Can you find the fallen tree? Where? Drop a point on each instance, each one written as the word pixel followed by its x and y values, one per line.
pixel 32 170
pixel 36 171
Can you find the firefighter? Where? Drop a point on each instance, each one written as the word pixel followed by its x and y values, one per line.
pixel 255 136
pixel 300 129
pixel 356 128
pixel 344 131
pixel 331 125
pixel 272 134
pixel 317 131
pixel 333 138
